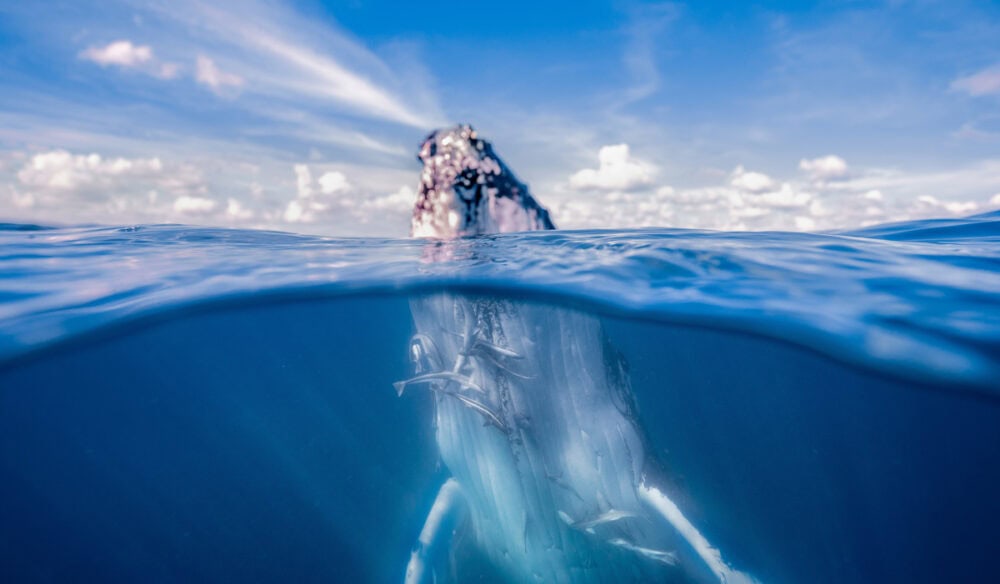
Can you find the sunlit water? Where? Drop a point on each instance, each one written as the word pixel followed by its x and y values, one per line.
pixel 192 404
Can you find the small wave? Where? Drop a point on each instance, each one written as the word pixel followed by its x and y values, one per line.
pixel 985 226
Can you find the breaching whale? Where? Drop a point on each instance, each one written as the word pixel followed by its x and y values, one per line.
pixel 551 476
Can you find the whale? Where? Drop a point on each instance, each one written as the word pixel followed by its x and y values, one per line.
pixel 550 475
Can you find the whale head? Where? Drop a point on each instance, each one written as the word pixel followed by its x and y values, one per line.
pixel 466 189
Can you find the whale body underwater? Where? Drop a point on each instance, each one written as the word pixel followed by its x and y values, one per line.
pixel 551 479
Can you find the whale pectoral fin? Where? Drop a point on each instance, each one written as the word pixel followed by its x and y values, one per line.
pixel 708 555
pixel 419 570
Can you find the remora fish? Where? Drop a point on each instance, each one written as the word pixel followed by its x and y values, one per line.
pixel 562 441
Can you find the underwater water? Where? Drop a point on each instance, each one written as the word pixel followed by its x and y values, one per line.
pixel 194 404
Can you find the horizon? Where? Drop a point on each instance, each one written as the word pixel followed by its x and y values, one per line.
pixel 306 116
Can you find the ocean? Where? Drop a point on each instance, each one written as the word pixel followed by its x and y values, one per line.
pixel 208 405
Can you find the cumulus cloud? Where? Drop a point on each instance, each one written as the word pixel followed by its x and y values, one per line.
pixel 400 201
pixel 824 168
pixel 190 205
pixel 985 82
pixel 933 204
pixel 333 182
pixel 785 197
pixel 754 201
pixel 318 197
pixel 127 55
pixel 236 211
pixel 208 74
pixel 61 170
pixel 59 185
pixel 303 181
pixel 309 202
pixel 304 207
pixel 617 171
pixel 122 53
pixel 333 197
pixel 754 182
pixel 392 209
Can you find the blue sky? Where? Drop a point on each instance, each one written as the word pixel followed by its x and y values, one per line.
pixel 306 115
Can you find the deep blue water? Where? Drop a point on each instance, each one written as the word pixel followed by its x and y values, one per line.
pixel 193 404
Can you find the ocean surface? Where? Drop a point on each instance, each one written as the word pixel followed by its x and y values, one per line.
pixel 208 405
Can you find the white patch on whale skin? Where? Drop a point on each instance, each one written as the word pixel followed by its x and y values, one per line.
pixel 534 414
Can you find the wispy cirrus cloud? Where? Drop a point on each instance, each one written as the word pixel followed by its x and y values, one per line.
pixel 285 77
pixel 209 74
pixel 979 84
pixel 281 54
pixel 646 27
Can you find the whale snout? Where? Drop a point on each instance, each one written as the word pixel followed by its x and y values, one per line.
pixel 465 189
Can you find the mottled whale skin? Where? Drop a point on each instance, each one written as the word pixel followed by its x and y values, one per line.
pixel 551 478
pixel 466 189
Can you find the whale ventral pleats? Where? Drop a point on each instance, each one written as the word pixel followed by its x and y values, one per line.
pixel 466 189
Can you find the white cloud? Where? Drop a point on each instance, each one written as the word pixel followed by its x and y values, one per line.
pixel 208 74
pixel 295 212
pixel 753 201
pixel 236 210
pixel 279 55
pixel 786 197
pixel 60 170
pixel 128 55
pixel 59 185
pixel 985 82
pixel 930 204
pixel 284 56
pixel 333 182
pixel 617 171
pixel 62 186
pixel 399 203
pixel 825 167
pixel 754 182
pixel 187 204
pixel 122 53
pixel 303 180
pixel 333 197
pixel 804 223
pixel 306 205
